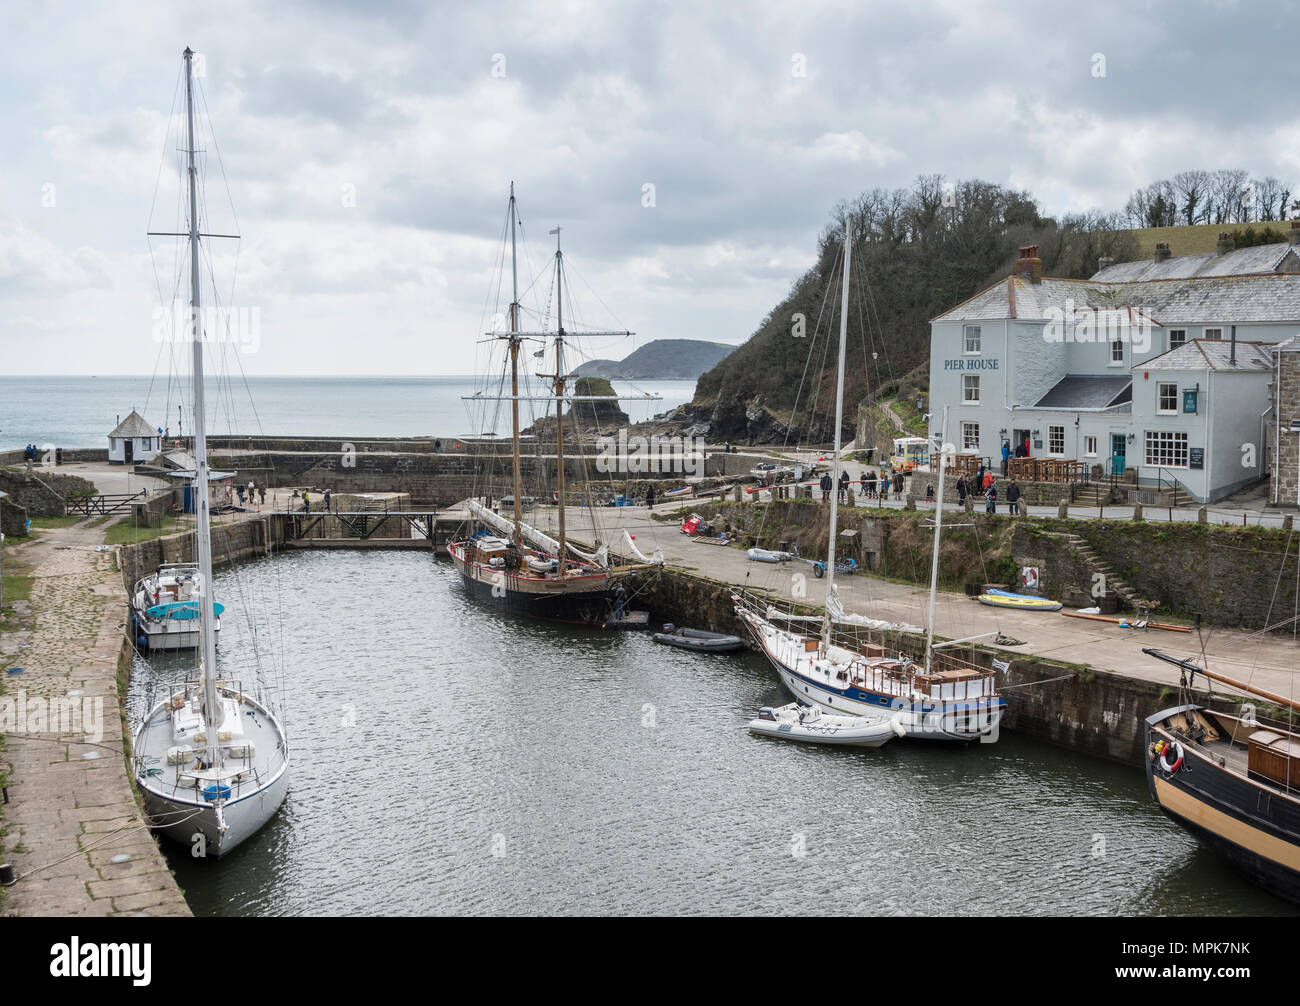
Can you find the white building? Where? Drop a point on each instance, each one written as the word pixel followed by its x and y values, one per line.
pixel 1163 367
pixel 133 440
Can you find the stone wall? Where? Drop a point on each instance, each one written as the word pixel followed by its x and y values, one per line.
pixel 245 539
pixel 1285 489
pixel 13 519
pixel 41 492
pixel 15 457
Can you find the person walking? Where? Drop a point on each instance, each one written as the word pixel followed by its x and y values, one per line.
pixel 261 492
pixel 252 488
pixel 844 487
pixel 991 495
pixel 650 497
pixel 306 502
pixel 827 484
pixel 327 501
pixel 1013 498
pixel 1006 455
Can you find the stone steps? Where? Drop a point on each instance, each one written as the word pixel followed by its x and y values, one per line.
pixel 1112 583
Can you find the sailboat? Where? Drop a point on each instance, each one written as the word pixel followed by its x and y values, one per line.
pixel 940 698
pixel 210 759
pixel 511 563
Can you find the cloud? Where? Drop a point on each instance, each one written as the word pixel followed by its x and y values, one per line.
pixel 368 149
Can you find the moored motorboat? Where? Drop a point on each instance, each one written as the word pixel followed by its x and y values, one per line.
pixel 810 724
pixel 165 608
pixel 698 640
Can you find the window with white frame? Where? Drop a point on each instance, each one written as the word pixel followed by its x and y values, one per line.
pixel 1090 446
pixel 1167 398
pixel 970 389
pixel 1056 440
pixel 970 436
pixel 1214 333
pixel 971 334
pixel 1177 337
pixel 1166 449
pixel 1116 352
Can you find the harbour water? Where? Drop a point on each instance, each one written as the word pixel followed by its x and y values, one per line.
pixel 450 760
pixel 74 412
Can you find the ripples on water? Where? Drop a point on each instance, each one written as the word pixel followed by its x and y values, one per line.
pixel 450 760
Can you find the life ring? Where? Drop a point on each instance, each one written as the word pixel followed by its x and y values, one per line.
pixel 1164 757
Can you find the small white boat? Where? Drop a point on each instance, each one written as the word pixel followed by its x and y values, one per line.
pixel 770 555
pixel 165 608
pixel 809 724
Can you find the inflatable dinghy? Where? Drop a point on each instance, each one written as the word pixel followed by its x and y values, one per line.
pixel 698 640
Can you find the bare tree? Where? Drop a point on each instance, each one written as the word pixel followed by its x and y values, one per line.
pixel 1192 189
pixel 1228 197
pixel 1267 190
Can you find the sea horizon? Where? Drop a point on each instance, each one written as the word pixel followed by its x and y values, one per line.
pixel 79 411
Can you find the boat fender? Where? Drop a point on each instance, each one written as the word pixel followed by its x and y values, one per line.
pixel 1176 748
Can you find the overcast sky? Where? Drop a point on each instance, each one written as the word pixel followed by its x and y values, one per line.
pixel 369 147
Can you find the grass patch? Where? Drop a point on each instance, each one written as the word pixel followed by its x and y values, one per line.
pixel 52 522
pixel 126 533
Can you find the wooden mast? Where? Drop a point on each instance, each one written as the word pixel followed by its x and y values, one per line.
pixel 514 375
pixel 1223 679
pixel 559 394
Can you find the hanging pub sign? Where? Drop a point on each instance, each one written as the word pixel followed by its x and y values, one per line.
pixel 1196 457
pixel 1189 401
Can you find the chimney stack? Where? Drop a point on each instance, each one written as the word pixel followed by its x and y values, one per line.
pixel 1104 262
pixel 1295 232
pixel 1225 244
pixel 1029 266
pixel 1162 251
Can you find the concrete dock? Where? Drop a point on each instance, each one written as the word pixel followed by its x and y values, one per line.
pixel 75 834
pixel 1266 660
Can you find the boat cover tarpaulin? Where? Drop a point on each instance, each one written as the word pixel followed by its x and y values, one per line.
pixel 181 610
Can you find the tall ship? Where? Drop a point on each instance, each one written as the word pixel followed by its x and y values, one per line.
pixel 940 697
pixel 508 562
pixel 211 759
pixel 1230 780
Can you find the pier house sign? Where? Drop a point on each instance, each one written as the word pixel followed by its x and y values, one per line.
pixel 970 364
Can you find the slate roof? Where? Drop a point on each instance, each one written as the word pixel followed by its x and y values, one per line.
pixel 1213 354
pixel 1263 298
pixel 1239 262
pixel 1088 391
pixel 133 426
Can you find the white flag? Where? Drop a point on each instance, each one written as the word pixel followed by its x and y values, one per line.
pixel 1002 665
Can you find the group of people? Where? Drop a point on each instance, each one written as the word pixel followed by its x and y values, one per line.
pixel 1021 450
pixel 879 485
pixel 872 485
pixel 250 492
pixel 31 452
pixel 984 483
